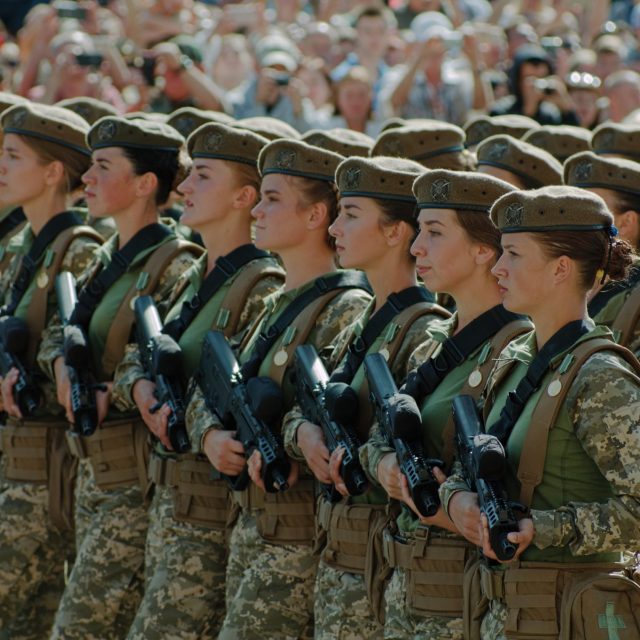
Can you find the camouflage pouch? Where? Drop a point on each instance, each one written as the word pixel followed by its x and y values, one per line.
pixel 377 571
pixel 474 603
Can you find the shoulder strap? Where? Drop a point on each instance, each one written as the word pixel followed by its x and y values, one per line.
pixel 154 267
pixel 29 264
pixel 13 220
pixel 226 267
pixel 236 297
pixel 323 285
pixel 628 318
pixel 404 321
pixel 37 312
pixel 360 345
pixel 611 289
pixel 474 383
pixel 545 414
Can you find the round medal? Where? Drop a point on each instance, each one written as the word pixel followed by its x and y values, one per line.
pixel 42 280
pixel 280 358
pixel 554 388
pixel 132 302
pixel 475 378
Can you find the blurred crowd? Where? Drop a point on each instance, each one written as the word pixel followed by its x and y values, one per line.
pixel 332 63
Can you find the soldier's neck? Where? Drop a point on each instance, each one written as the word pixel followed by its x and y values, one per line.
pixel 39 211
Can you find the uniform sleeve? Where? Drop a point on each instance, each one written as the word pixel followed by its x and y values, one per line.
pixel 80 260
pixel 330 352
pixel 199 420
pixel 169 280
pixel 455 482
pixel 255 301
pixel 604 406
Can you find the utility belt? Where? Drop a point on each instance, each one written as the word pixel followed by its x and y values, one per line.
pixel 348 530
pixel 286 517
pixel 118 453
pixel 435 568
pixel 36 452
pixel 197 497
pixel 563 601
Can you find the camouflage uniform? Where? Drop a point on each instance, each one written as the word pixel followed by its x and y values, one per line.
pixel 598 433
pixel 342 608
pixel 33 551
pixel 106 583
pixel 185 562
pixel 270 585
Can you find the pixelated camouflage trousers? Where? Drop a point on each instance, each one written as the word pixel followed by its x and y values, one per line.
pixel 269 586
pixel 32 561
pixel 492 627
pixel 106 584
pixel 341 609
pixel 185 568
pixel 400 623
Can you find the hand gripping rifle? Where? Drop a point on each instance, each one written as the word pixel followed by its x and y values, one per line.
pixel 14 340
pixel 162 360
pixel 334 407
pixel 484 462
pixel 253 408
pixel 77 358
pixel 400 420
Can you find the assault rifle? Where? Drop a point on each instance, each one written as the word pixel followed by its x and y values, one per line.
pixel 14 340
pixel 399 417
pixel 334 407
pixel 77 358
pixel 162 360
pixel 484 463
pixel 252 408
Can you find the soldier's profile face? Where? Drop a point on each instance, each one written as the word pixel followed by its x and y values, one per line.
pixel 22 172
pixel 445 255
pixel 359 234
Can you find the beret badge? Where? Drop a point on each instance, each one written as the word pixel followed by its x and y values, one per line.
pixel 285 158
pixel 497 151
pixel 606 140
pixel 185 125
pixel 352 178
pixel 213 141
pixel 393 147
pixel 106 131
pixel 18 118
pixel 514 214
pixel 440 190
pixel 583 171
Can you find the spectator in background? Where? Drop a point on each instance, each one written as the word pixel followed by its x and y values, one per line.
pixel 427 87
pixel 535 91
pixel 313 74
pixel 622 88
pixel 610 55
pixel 372 25
pixel 584 90
pixel 233 63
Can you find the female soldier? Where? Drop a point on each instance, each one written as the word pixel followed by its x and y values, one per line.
pixel 271 565
pixel 570 428
pixel 373 232
pixel 617 182
pixel 135 163
pixel 43 156
pixel 225 291
pixel 456 248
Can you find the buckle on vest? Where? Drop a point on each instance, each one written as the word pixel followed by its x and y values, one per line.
pixel 358 345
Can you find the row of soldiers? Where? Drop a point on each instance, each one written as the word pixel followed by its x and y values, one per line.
pixel 212 431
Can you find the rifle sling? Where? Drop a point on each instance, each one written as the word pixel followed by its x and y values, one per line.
pixel 394 305
pixel 15 218
pixel 321 286
pixel 561 341
pixel 54 227
pixel 226 267
pixel 458 348
pixel 93 291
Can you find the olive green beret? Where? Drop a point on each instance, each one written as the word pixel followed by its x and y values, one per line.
pixel 433 143
pixel 553 208
pixel 617 139
pixel 482 127
pixel 268 127
pixel 589 171
pixel 297 158
pixel 215 140
pixel 88 108
pixel 8 100
pixel 394 123
pixel 381 177
pixel 561 141
pixel 135 134
pixel 149 116
pixel 187 119
pixel 535 166
pixel 45 122
pixel 343 141
pixel 460 190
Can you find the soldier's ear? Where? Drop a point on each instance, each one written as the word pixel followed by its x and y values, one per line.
pixel 54 173
pixel 146 184
pixel 246 196
pixel 317 215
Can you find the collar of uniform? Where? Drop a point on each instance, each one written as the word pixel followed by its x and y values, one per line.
pixel 21 242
